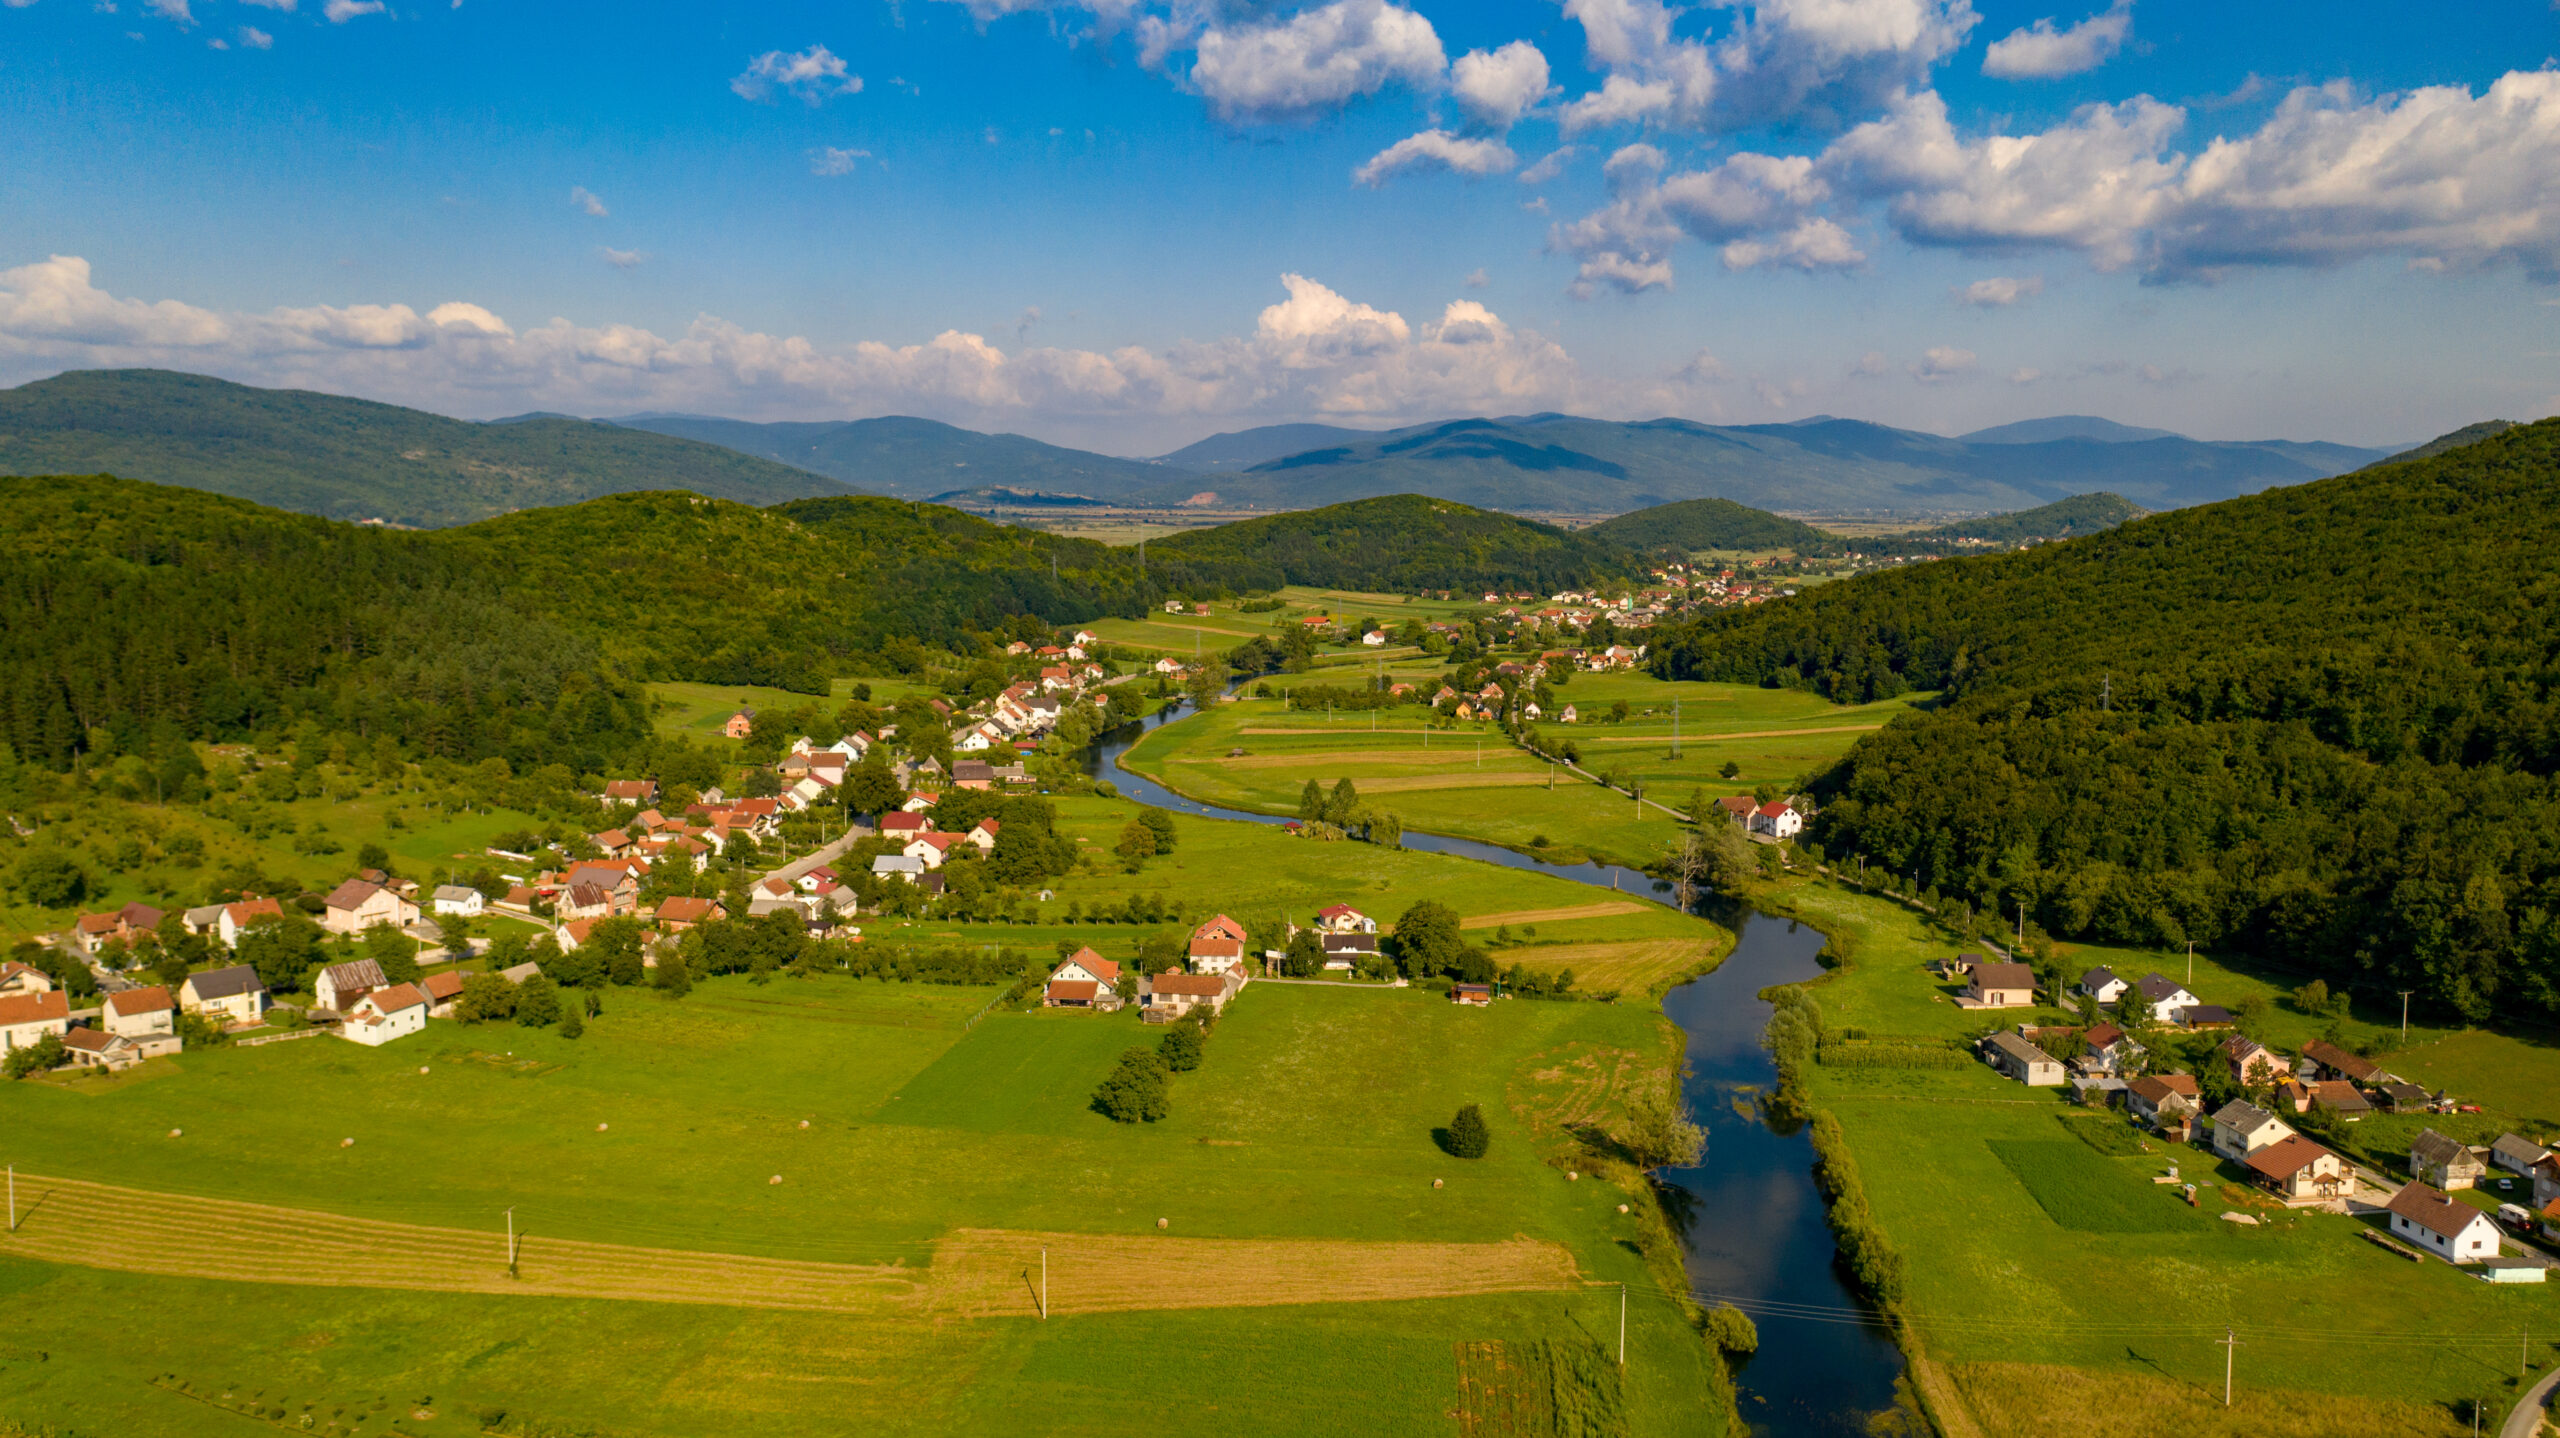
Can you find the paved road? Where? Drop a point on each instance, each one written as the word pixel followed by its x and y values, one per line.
pixel 791 872
pixel 2526 1420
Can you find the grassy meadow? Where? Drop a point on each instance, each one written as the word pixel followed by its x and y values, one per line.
pixel 1311 1122
pixel 2064 1292
pixel 700 711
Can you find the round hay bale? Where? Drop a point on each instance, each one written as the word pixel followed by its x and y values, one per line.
pixel 1570 1176
pixel 1435 1183
pixel 1164 1223
pixel 777 1178
pixel 422 1068
pixel 1622 1208
pixel 346 1143
pixel 177 1133
pixel 804 1123
pixel 601 1128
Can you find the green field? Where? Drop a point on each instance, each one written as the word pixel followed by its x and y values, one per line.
pixel 1470 781
pixel 701 710
pixel 1999 1216
pixel 1312 1121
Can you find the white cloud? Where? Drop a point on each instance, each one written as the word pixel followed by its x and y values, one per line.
pixel 1812 61
pixel 1550 167
pixel 1497 87
pixel 256 39
pixel 1314 60
pixel 1477 279
pixel 828 160
pixel 585 199
pixel 1436 150
pixel 813 74
pixel 1942 364
pixel 174 11
pixel 620 259
pixel 1314 352
pixel 1870 365
pixel 2023 377
pixel 1813 244
pixel 2040 52
pixel 287 6
pixel 1998 292
pixel 1650 76
pixel 1626 244
pixel 342 11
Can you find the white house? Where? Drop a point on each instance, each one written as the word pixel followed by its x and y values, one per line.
pixel 233 995
pixel 2103 985
pixel 2241 1129
pixel 16 978
pixel 340 985
pixel 1776 819
pixel 2454 1232
pixel 26 1018
pixel 458 899
pixel 356 906
pixel 386 1014
pixel 931 849
pixel 140 1013
pixel 1344 919
pixel 2166 997
pixel 898 864
pixel 236 918
pixel 1086 966
pixel 1375 638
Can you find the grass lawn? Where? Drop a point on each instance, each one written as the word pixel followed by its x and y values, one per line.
pixel 1311 1121
pixel 2041 1264
pixel 699 710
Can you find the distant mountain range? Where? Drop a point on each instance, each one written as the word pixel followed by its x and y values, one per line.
pixel 355 459
pixel 352 458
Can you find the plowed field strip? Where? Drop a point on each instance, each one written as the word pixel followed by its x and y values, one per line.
pixel 975 1272
pixel 1318 758
pixel 1551 916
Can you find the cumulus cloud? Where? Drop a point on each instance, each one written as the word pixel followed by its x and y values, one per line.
pixel 256 39
pixel 1998 292
pixel 1942 364
pixel 342 11
pixel 1477 279
pixel 2041 52
pixel 1314 60
pixel 1497 87
pixel 1814 244
pixel 1315 351
pixel 1550 167
pixel 620 259
pixel 1437 150
pixel 1812 61
pixel 813 74
pixel 828 160
pixel 174 11
pixel 1626 245
pixel 1649 75
pixel 585 199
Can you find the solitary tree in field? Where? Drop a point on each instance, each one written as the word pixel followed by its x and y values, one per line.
pixel 1137 1088
pixel 1468 1136
pixel 1137 845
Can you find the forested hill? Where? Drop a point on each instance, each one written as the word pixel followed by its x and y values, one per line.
pixel 2318 722
pixel 351 458
pixel 1694 524
pixel 2062 519
pixel 1401 542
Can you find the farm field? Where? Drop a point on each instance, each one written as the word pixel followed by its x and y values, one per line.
pixel 699 710
pixel 959 1145
pixel 1470 781
pixel 2000 1208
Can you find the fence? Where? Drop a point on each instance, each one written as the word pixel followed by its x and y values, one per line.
pixel 283 1038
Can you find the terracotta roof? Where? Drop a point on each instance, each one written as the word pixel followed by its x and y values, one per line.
pixel 248 911
pixel 2103 1035
pixel 1340 911
pixel 686 910
pixel 1217 948
pixel 153 1000
pixel 443 986
pixel 34 1008
pixel 1094 964
pixel 2156 1088
pixel 1198 986
pixel 2433 1211
pixel 2340 1095
pixel 352 894
pixel 94 1041
pixel 1073 989
pixel 1220 925
pixel 395 998
pixel 2287 1156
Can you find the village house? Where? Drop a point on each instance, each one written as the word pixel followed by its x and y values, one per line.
pixel 92 932
pixel 583 900
pixel 386 1014
pixel 903 826
pixel 1217 946
pixel 2447 1163
pixel 459 899
pixel 96 1048
pixel 1085 980
pixel 17 978
pixel 1474 996
pixel 1344 919
pixel 932 849
pixel 1346 951
pixel 2323 1059
pixel 1777 820
pixel 899 865
pixel 1169 996
pixel 356 906
pixel 2298 1169
pixel 2000 986
pixel 973 774
pixel 2517 1154
pixel 2241 1128
pixel 2013 1056
pixel 140 1013
pixel 2341 1098
pixel 2400 1096
pixel 643 792
pixel 341 985
pixel 236 918
pixel 2253 1063
pixel 2546 1182
pixel 444 990
pixel 2454 1232
pixel 2102 984
pixel 982 836
pixel 2108 1050
pixel 2167 1102
pixel 231 995
pixel 678 914
pixel 2164 997
pixel 26 1018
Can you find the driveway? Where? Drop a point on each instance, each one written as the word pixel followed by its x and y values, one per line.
pixel 2526 1420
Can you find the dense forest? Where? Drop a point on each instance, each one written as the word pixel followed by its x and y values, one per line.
pixel 1689 525
pixel 2062 519
pixel 2317 722
pixel 1403 542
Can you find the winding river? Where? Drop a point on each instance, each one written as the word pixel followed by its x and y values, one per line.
pixel 1749 1217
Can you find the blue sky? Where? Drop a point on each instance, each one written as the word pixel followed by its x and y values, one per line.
pixel 1131 223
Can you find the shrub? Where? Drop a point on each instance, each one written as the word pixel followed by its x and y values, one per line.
pixel 45 1053
pixel 1137 1089
pixel 1468 1136
pixel 1731 1330
pixel 1182 1048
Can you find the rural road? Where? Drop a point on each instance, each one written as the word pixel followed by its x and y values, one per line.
pixel 2526 1420
pixel 793 870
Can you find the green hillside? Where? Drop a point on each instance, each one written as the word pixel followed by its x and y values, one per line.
pixel 1695 524
pixel 1401 542
pixel 351 458
pixel 2467 435
pixel 921 458
pixel 2080 514
pixel 2318 722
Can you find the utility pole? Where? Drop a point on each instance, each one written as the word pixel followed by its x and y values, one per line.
pixel 511 1243
pixel 13 1198
pixel 2404 1014
pixel 2022 923
pixel 2191 961
pixel 1622 1328
pixel 1675 728
pixel 1044 1285
pixel 2230 1346
pixel 2107 701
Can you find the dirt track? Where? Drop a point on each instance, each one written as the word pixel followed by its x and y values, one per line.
pixel 975 1272
pixel 1550 916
